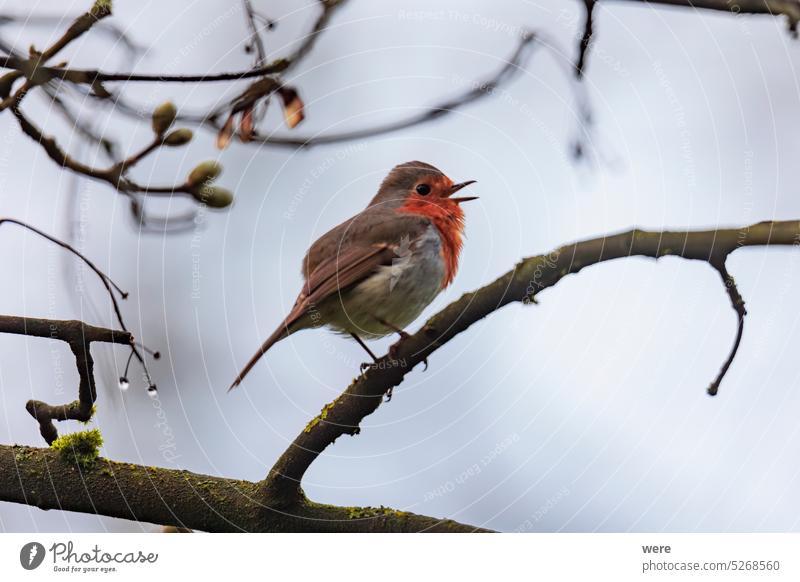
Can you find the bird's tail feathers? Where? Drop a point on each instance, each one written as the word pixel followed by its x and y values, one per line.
pixel 279 334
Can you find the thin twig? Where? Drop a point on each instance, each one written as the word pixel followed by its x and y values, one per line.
pixel 788 8
pixel 255 37
pixel 116 33
pixel 310 40
pixel 83 129
pixel 113 175
pixel 92 76
pixel 110 287
pixel 586 38
pixel 479 89
pixel 70 248
pixel 737 303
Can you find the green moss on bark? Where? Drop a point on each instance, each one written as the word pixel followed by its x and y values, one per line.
pixel 80 448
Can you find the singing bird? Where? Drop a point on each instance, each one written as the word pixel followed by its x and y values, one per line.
pixel 374 274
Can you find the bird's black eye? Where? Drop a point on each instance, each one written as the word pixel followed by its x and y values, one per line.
pixel 423 189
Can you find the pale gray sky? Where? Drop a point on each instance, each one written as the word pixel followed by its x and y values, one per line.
pixel 587 412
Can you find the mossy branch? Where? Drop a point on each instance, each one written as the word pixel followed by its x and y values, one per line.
pixel 48 479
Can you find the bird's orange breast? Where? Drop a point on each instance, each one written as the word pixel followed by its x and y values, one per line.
pixel 448 218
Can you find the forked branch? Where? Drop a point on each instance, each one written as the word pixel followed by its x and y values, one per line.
pixel 168 497
pixel 79 336
pixel 521 284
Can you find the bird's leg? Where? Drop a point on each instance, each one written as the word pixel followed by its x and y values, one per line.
pixel 365 365
pixel 403 335
pixel 401 332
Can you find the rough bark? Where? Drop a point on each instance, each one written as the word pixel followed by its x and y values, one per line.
pixel 44 478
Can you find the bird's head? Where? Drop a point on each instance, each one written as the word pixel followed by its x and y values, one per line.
pixel 423 189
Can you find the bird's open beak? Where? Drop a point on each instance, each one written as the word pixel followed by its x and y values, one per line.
pixel 456 187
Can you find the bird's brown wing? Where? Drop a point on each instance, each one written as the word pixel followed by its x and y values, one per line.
pixel 374 226
pixel 351 266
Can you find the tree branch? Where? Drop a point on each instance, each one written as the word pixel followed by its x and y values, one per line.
pixel 586 38
pixel 79 336
pixel 117 35
pixel 39 477
pixel 67 330
pixel 788 8
pixel 523 283
pixel 94 76
pixel 328 8
pixel 37 74
pixel 256 43
pixel 737 303
pixel 114 175
pixel 479 89
pixel 43 478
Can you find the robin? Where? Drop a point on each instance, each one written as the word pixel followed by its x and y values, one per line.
pixel 374 274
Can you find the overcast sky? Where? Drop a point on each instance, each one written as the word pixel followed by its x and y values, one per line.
pixel 587 412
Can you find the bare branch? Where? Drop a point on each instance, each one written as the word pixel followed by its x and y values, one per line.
pixel 93 76
pixel 114 175
pixel 105 278
pixel 737 303
pixel 586 38
pixel 114 32
pixel 328 8
pixel 255 36
pixel 108 146
pixel 523 283
pixel 788 8
pixel 35 72
pixel 70 330
pixel 478 90
pixel 79 26
pixel 79 336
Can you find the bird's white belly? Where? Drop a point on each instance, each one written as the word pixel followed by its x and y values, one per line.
pixel 396 294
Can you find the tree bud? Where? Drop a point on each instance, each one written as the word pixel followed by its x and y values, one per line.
pixel 163 116
pixel 214 196
pixel 204 172
pixel 178 137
